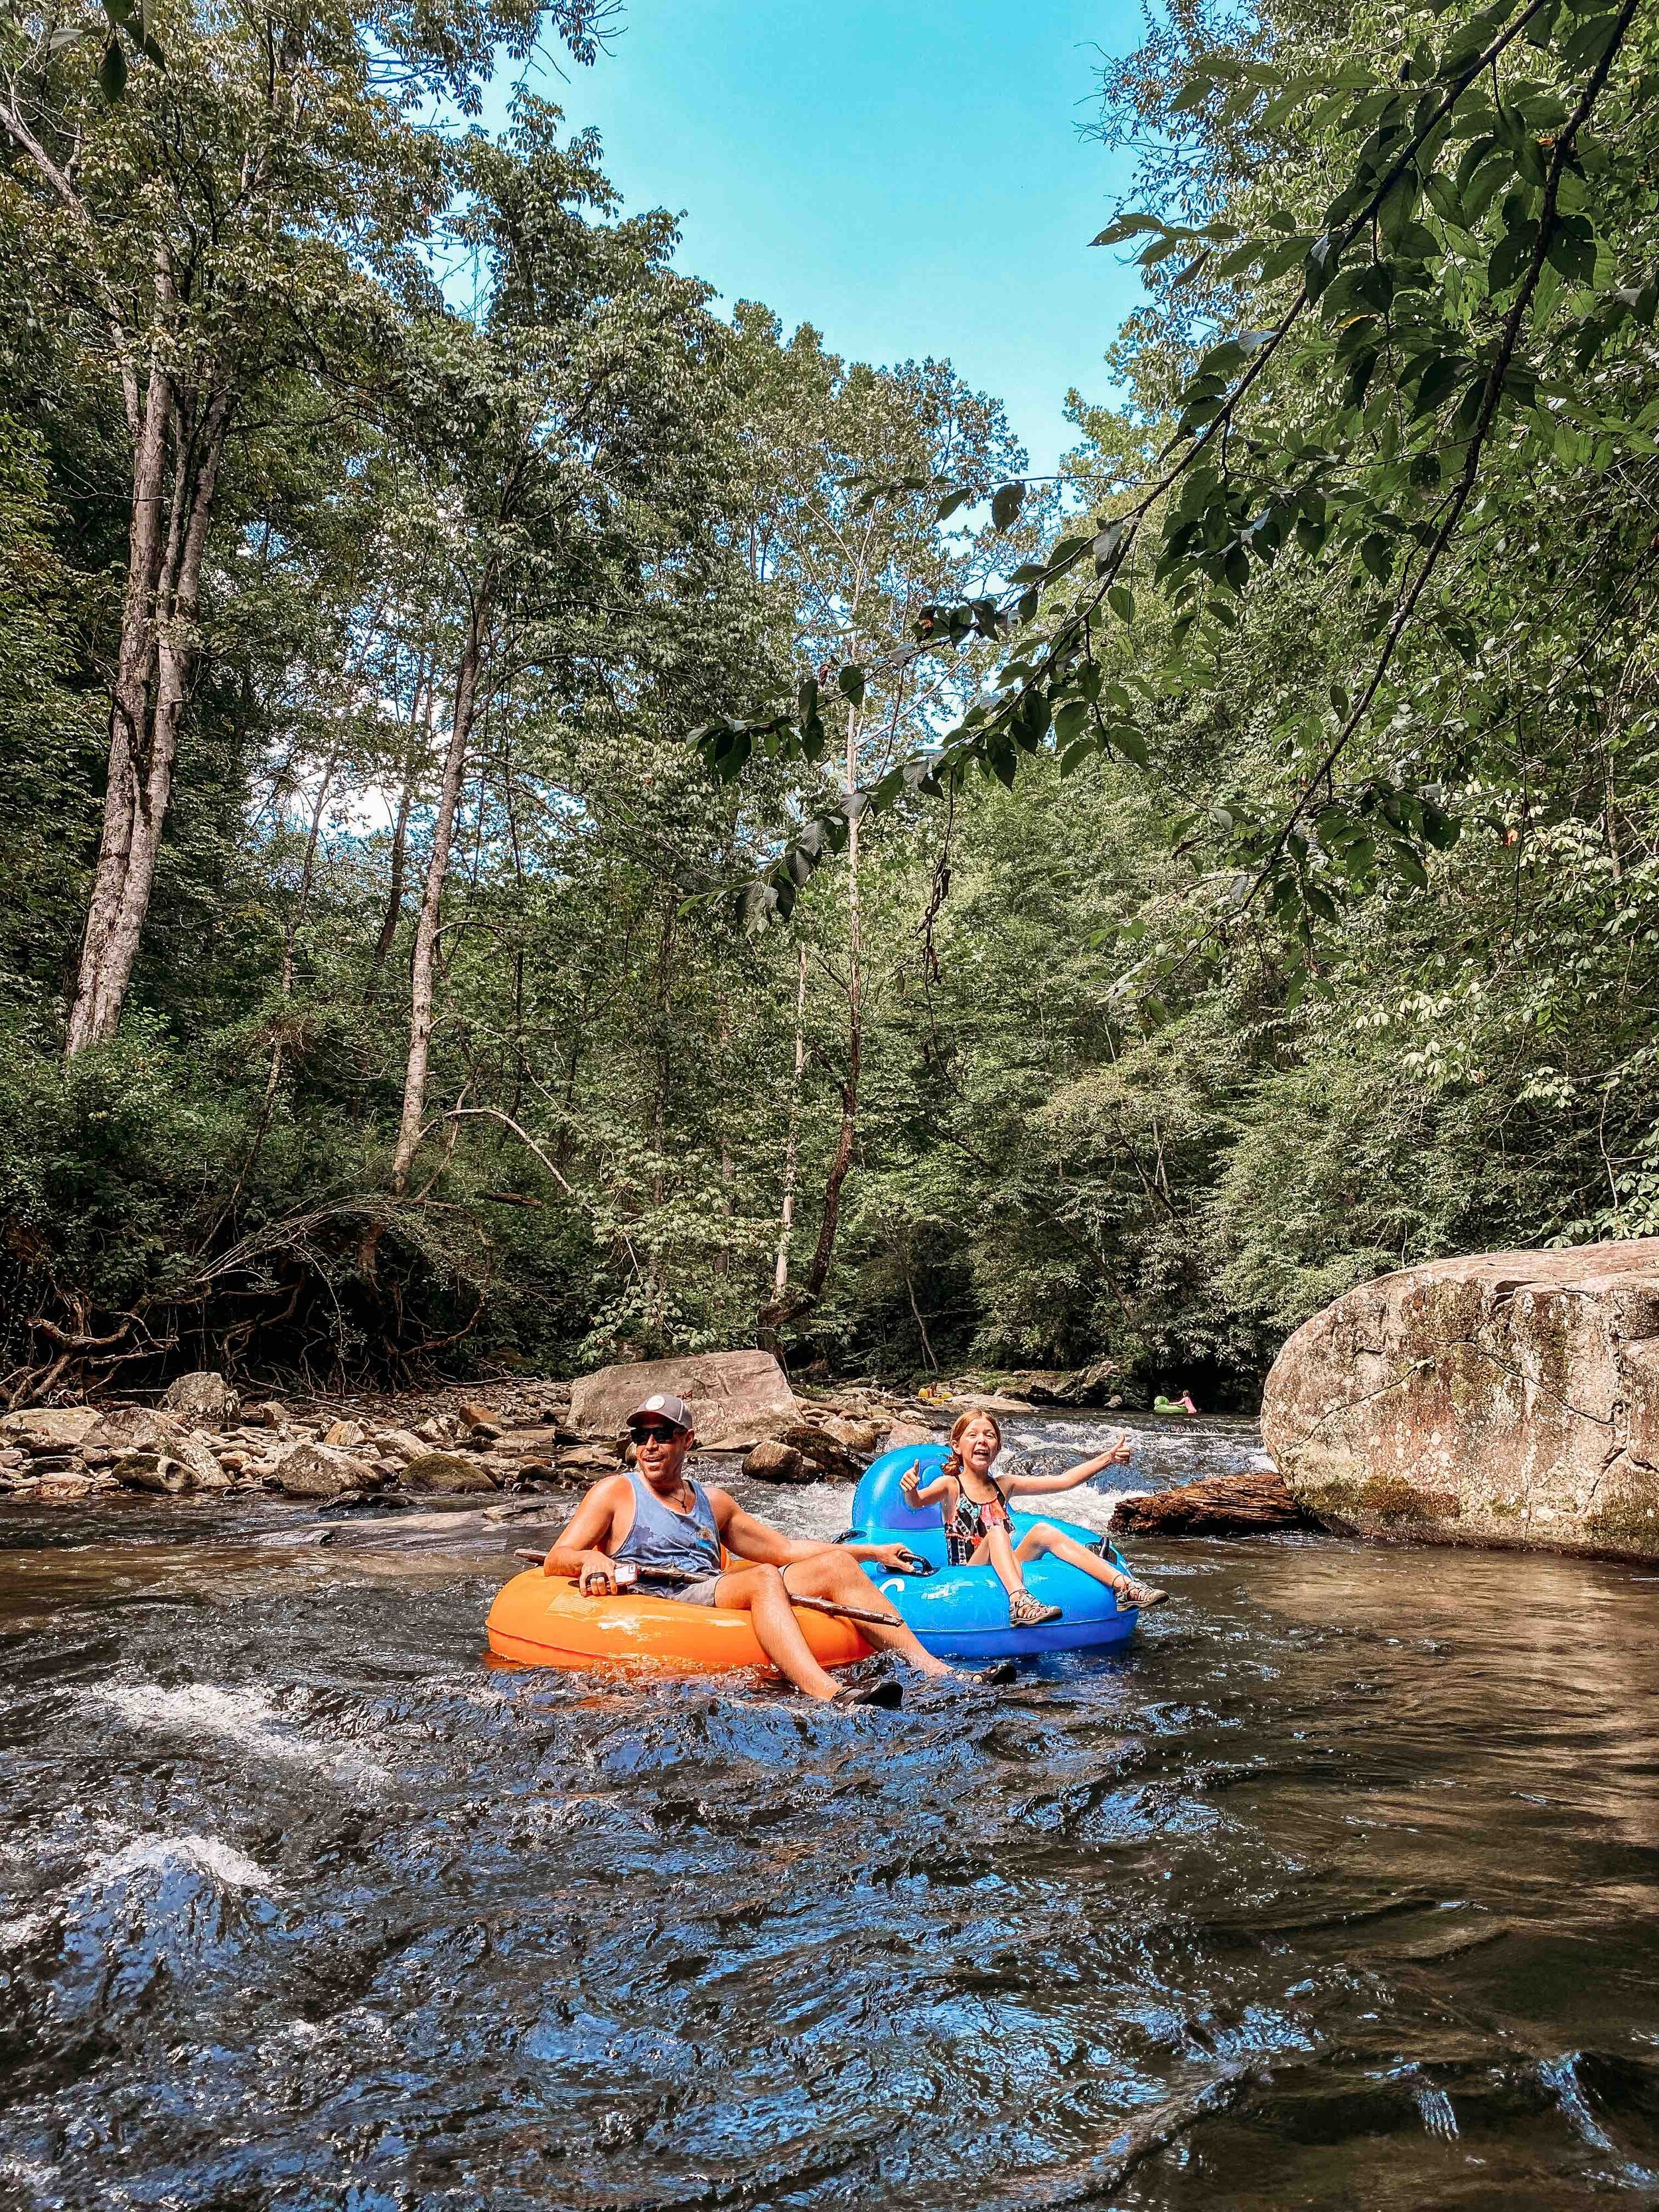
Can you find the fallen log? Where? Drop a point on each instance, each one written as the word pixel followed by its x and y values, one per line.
pixel 1220 1505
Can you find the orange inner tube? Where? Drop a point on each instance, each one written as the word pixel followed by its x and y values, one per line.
pixel 544 1621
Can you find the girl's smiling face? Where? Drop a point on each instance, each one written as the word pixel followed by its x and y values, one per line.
pixel 979 1444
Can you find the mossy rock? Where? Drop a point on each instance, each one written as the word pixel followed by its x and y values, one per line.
pixel 1395 1498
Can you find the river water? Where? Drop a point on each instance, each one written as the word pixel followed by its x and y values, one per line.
pixel 1339 1890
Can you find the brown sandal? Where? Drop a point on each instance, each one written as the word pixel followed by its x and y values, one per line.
pixel 1026 1611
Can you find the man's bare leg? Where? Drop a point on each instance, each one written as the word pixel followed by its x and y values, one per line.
pixel 838 1576
pixel 759 1592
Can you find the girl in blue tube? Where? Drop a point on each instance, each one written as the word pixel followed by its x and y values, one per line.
pixel 978 1527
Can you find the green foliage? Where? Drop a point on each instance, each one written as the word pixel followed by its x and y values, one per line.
pixel 1208 882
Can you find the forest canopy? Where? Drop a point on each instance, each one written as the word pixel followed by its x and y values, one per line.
pixel 545 821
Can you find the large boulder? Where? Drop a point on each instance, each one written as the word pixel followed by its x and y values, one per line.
pixel 736 1397
pixel 1509 1397
pixel 204 1396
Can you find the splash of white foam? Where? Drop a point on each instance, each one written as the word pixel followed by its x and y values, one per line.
pixel 220 1861
pixel 247 1717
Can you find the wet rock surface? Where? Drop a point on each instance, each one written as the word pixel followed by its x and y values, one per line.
pixel 1511 1398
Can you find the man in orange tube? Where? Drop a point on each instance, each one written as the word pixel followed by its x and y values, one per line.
pixel 657 1516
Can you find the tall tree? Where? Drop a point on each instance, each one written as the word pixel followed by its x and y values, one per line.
pixel 210 239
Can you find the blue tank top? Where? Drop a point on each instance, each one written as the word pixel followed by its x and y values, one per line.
pixel 660 1537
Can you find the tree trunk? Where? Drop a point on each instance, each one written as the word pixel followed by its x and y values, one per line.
pixel 841 1160
pixel 792 1142
pixel 423 966
pixel 394 896
pixel 154 666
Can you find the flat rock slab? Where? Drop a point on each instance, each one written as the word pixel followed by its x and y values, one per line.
pixel 1509 1397
pixel 736 1397
pixel 50 1427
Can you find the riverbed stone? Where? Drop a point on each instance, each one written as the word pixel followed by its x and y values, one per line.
pixel 1509 1397
pixel 774 1463
pixel 736 1397
pixel 153 1471
pixel 312 1470
pixel 196 1451
pixel 909 1432
pixel 203 1396
pixel 136 1429
pixel 50 1426
pixel 402 1443
pixel 444 1473
pixel 64 1489
pixel 828 1460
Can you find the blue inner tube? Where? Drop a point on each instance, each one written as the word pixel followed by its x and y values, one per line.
pixel 962 1612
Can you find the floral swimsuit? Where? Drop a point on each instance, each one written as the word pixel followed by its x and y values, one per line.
pixel 973 1521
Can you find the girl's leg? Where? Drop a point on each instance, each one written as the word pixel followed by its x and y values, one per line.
pixel 1025 1611
pixel 997 1548
pixel 1040 1538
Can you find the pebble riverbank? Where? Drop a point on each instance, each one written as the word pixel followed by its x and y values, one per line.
pixel 460 1442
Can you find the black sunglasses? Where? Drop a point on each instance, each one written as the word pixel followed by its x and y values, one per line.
pixel 659 1431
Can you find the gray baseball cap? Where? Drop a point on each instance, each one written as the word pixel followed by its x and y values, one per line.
pixel 663 1406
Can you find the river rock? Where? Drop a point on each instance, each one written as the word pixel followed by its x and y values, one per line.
pixel 1252 1504
pixel 345 1436
pixel 204 1396
pixel 736 1397
pixel 588 1459
pixel 320 1471
pixel 49 1427
pixel 828 1459
pixel 197 1453
pixel 446 1473
pixel 64 1489
pixel 775 1462
pixel 402 1443
pixel 154 1471
pixel 861 1436
pixel 911 1432
pixel 136 1429
pixel 1509 1397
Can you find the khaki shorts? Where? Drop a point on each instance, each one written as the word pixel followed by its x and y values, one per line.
pixel 700 1593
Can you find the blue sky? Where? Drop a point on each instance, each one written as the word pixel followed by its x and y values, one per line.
pixel 910 179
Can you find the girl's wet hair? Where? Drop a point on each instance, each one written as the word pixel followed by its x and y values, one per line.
pixel 953 1457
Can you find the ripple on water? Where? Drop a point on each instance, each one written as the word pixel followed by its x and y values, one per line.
pixel 1336 1890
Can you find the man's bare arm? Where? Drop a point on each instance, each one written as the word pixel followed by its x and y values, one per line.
pixel 751 1539
pixel 581 1548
